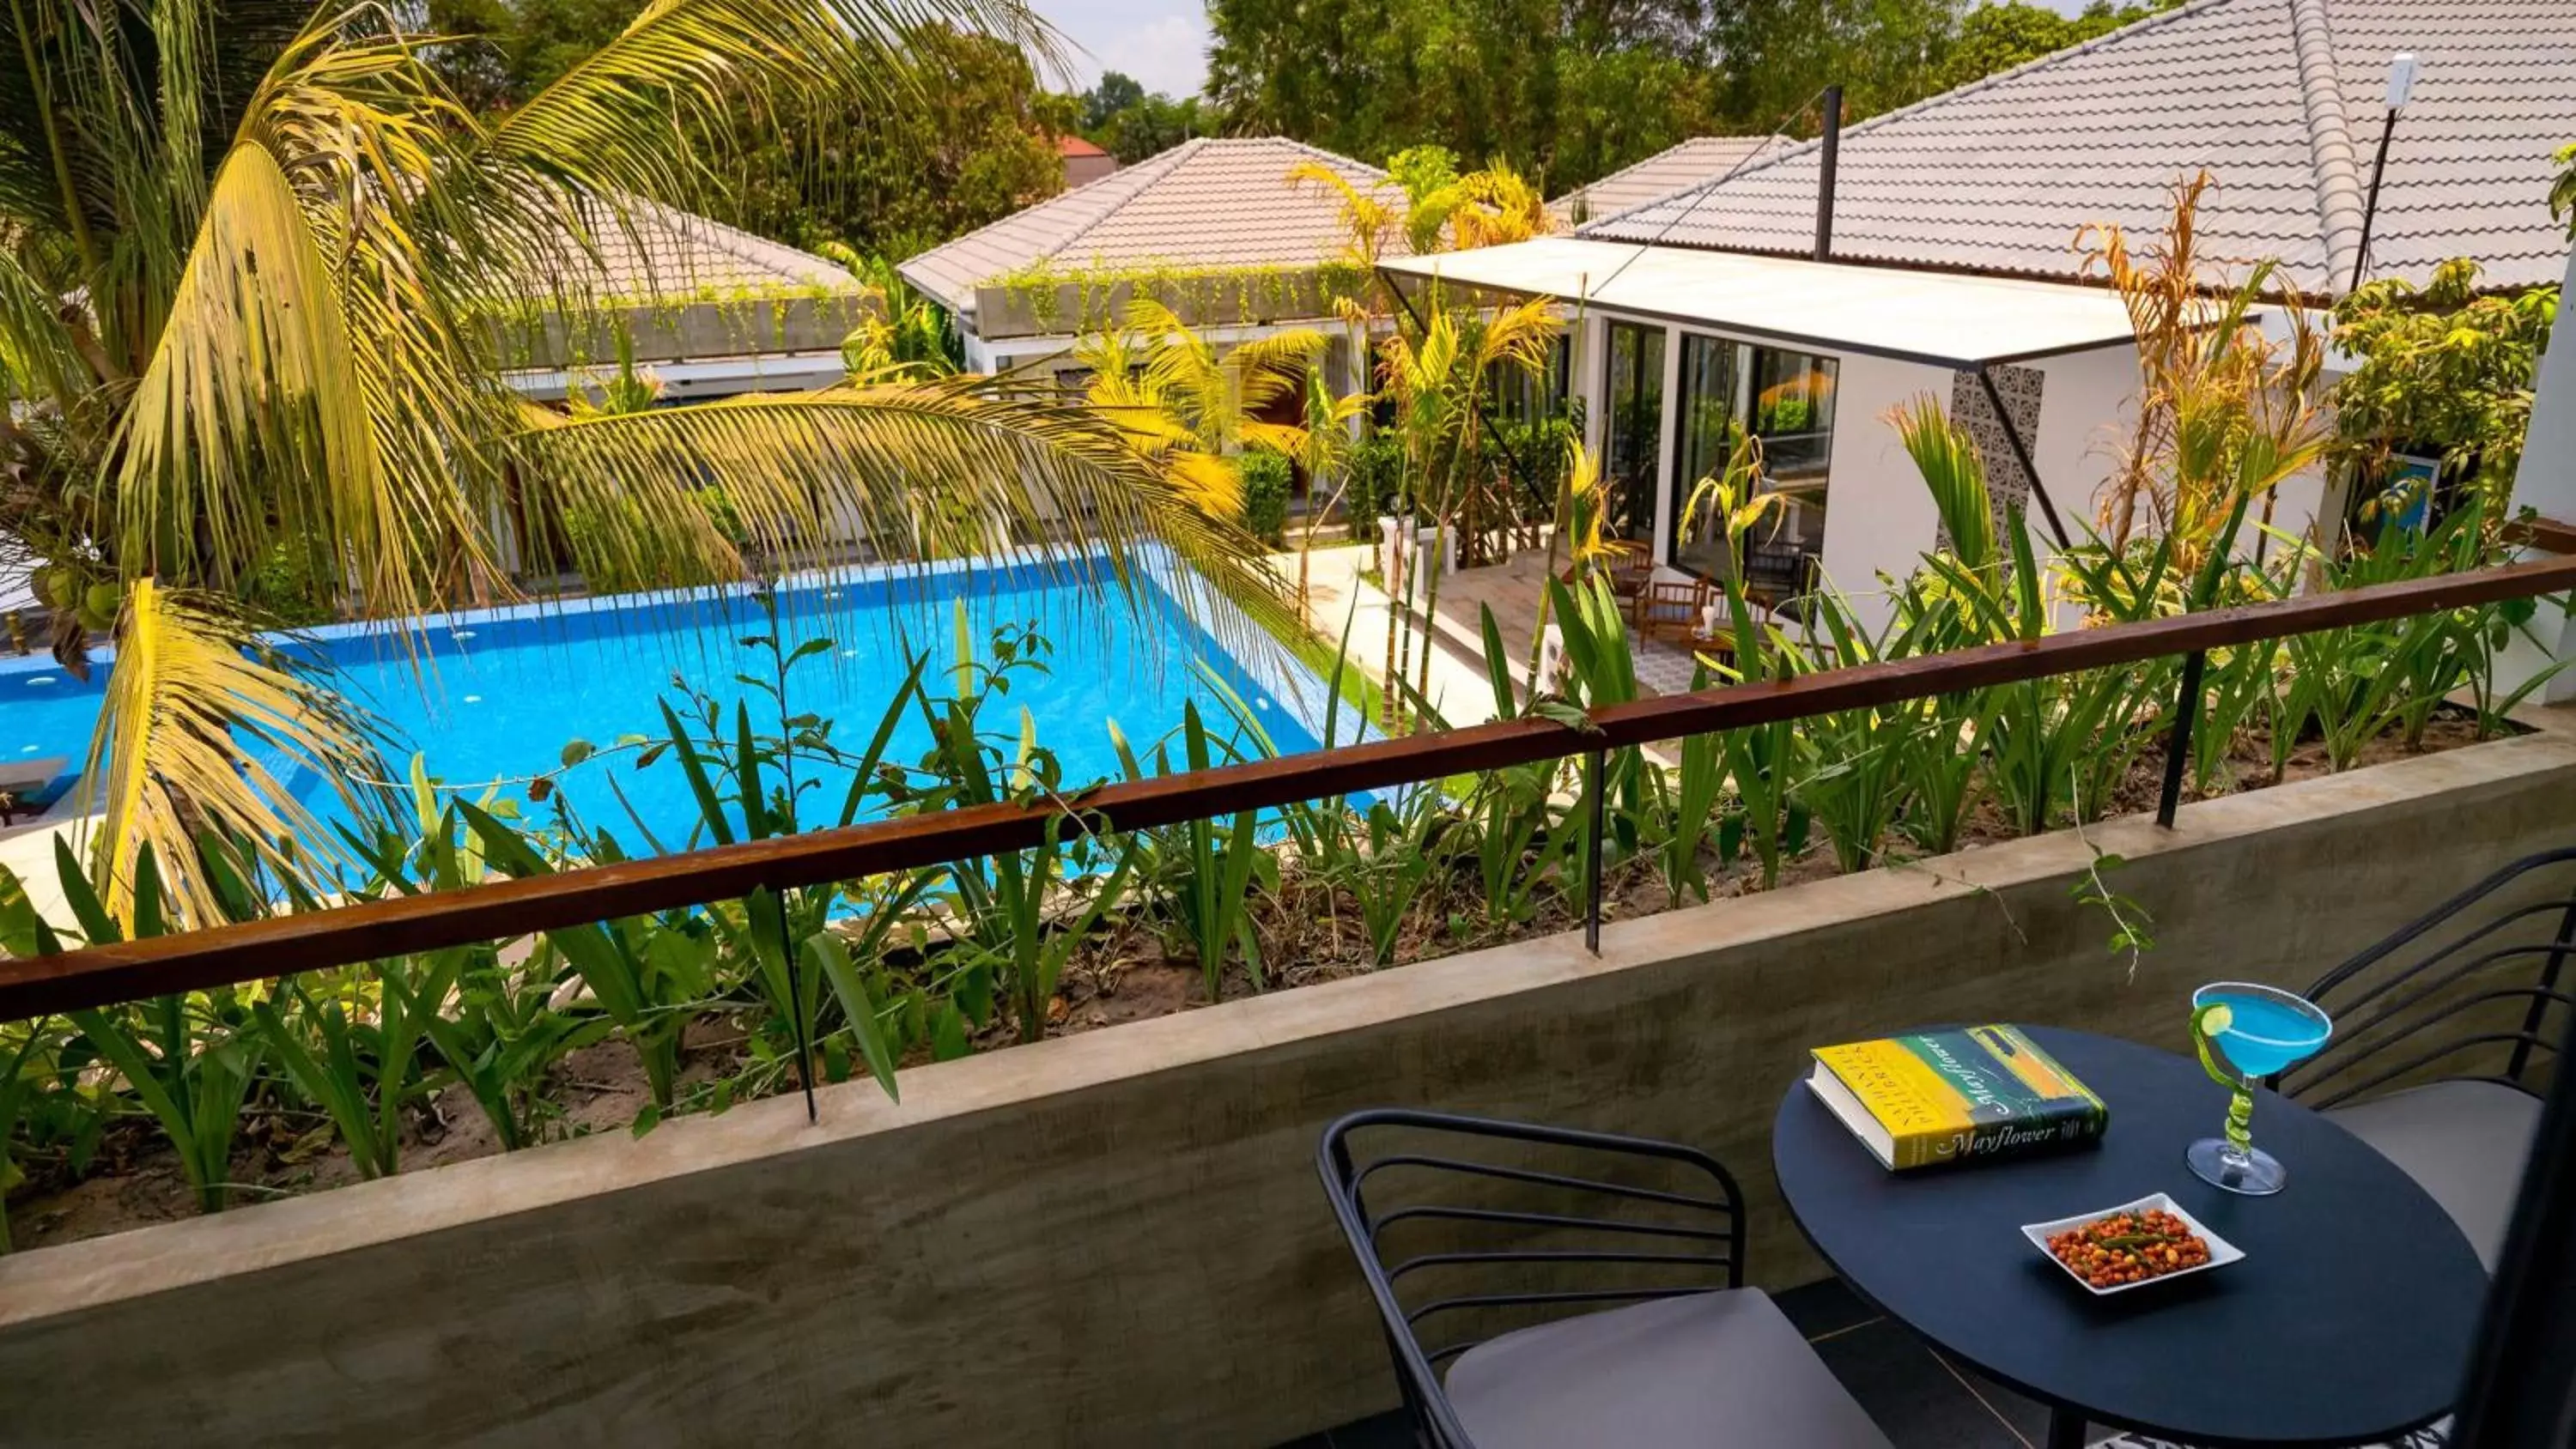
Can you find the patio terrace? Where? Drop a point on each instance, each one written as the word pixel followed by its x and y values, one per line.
pixel 1512 589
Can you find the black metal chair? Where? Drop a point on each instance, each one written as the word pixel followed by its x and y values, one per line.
pixel 2457 1012
pixel 1506 1240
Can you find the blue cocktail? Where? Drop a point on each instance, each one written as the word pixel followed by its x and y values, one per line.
pixel 2247 1031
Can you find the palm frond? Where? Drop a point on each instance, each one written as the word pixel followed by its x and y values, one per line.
pixel 312 377
pixel 935 468
pixel 196 735
pixel 1946 457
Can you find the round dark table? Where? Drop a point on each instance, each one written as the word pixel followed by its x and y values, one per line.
pixel 2348 1322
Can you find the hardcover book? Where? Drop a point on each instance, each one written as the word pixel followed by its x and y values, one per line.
pixel 1969 1094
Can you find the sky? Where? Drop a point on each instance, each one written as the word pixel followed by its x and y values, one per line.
pixel 1163 43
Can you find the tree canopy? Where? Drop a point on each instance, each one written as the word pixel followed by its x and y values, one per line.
pixel 1124 119
pixel 973 142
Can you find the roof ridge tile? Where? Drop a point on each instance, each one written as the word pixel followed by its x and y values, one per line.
pixel 2338 173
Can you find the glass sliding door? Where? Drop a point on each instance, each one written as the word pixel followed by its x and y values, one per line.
pixel 1712 421
pixel 1783 399
pixel 1790 397
pixel 1632 429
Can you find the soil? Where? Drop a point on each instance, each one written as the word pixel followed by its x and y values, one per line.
pixel 1123 975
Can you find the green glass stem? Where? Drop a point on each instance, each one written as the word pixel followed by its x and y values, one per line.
pixel 2240 1109
pixel 2240 1123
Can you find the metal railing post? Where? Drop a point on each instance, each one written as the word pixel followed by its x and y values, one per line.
pixel 2178 749
pixel 1598 764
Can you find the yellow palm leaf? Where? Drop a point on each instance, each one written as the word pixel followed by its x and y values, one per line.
pixel 195 734
pixel 921 465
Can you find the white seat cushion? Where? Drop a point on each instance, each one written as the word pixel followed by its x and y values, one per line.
pixel 1708 1371
pixel 2463 1142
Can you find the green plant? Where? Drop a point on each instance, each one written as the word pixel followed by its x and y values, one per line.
pixel 2440 368
pixel 191 1060
pixel 2131 923
pixel 1376 485
pixel 1858 778
pixel 1266 479
pixel 290 294
pixel 2055 745
pixel 1220 864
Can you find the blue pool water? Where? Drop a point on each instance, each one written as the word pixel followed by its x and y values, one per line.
pixel 496 695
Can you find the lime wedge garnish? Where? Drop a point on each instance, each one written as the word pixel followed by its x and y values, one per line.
pixel 2215 1018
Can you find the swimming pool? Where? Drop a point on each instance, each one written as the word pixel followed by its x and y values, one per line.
pixel 497 694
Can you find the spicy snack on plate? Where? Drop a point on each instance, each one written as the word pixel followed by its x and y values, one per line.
pixel 2129 1248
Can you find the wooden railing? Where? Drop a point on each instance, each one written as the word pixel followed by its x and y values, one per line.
pixel 258 950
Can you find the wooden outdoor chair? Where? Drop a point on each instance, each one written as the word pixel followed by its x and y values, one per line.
pixel 1672 609
pixel 1626 564
pixel 23 782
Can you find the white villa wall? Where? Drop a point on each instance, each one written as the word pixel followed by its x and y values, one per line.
pixel 2546 482
pixel 1878 516
pixel 2086 405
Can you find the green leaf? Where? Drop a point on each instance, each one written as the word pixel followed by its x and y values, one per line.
pixel 97 926
pixel 947 1035
pixel 827 955
pixel 755 810
pixel 710 809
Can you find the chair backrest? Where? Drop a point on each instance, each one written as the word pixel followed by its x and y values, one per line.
pixel 1466 1227
pixel 2477 989
pixel 1676 599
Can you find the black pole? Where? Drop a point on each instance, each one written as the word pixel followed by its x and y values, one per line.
pixel 2370 208
pixel 2021 454
pixel 796 1005
pixel 1826 159
pixel 1598 764
pixel 2178 748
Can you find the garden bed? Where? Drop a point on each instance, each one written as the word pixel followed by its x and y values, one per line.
pixel 1126 972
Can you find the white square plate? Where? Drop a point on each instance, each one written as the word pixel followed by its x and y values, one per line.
pixel 2221 1251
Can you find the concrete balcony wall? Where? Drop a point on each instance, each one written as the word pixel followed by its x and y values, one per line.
pixel 1117 1238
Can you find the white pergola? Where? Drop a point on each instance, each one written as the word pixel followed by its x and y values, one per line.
pixel 1966 323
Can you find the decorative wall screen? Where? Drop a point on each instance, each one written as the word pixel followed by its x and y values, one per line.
pixel 2020 387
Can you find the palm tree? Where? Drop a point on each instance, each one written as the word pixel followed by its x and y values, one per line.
pixel 1191 407
pixel 1325 454
pixel 1440 377
pixel 257 271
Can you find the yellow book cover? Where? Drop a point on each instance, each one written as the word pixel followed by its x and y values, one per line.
pixel 1929 1098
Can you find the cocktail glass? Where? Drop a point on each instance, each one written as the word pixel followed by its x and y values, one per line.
pixel 2246 1031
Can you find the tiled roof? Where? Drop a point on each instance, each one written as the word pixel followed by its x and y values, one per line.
pixel 2280 100
pixel 1694 162
pixel 660 253
pixel 1076 146
pixel 1204 203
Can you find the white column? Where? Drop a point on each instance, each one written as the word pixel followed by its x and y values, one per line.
pixel 2547 483
pixel 1591 380
pixel 1665 523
